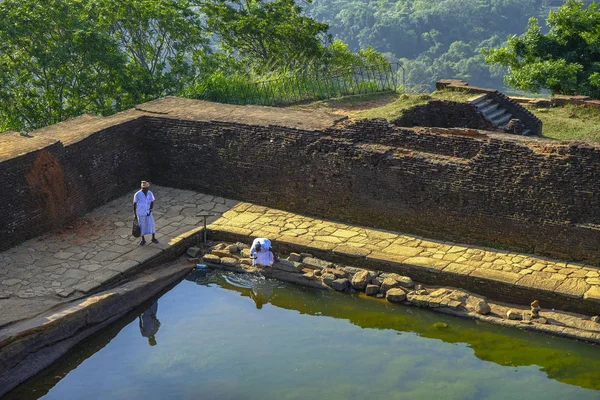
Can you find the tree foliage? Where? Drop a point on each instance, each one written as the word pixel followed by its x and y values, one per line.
pixel 566 60
pixel 62 58
pixel 54 63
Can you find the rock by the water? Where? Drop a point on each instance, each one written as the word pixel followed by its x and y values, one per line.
pixel 352 270
pixel 221 253
pixel 233 248
pixel 289 266
pixel 211 258
pixel 540 320
pixel 371 290
pixel 340 284
pixel 246 261
pixel 389 283
pixel 229 261
pixel 395 295
pixel 513 314
pixel 241 246
pixel 295 257
pixel 595 319
pixel 328 279
pixel 360 280
pixel 315 263
pixel 482 307
pixel 526 315
pixel 194 251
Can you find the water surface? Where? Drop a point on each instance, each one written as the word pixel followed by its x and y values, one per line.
pixel 225 336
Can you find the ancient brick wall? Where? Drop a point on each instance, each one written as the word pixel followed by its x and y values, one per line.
pixel 43 189
pixel 531 196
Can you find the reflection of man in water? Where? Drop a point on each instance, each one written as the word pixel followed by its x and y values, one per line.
pixel 149 324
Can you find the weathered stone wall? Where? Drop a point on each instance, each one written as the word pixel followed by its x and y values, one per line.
pixel 531 196
pixel 526 194
pixel 45 188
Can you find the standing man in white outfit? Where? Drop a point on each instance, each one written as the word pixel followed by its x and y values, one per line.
pixel 143 201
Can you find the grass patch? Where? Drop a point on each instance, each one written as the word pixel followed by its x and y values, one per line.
pixel 570 122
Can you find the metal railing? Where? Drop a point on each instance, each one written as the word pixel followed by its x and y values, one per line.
pixel 311 86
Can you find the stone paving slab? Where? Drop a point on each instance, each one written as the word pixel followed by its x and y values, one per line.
pixel 93 250
pixel 519 271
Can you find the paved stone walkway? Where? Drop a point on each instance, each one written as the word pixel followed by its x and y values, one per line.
pixel 95 249
pixel 570 279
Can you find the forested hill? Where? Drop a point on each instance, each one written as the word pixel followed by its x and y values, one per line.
pixel 433 38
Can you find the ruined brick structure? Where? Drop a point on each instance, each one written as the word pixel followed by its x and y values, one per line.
pixel 491 189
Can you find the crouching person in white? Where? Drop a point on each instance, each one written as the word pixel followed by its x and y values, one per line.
pixel 261 253
pixel 143 201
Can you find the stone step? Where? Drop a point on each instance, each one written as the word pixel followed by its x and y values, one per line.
pixel 495 114
pixel 484 104
pixel 502 120
pixel 490 108
pixel 477 100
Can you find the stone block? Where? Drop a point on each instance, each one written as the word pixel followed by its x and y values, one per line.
pixel 340 284
pixel 395 295
pixel 371 290
pixel 194 252
pixel 316 263
pixel 211 259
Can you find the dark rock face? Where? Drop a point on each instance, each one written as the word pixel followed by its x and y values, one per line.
pixel 515 126
pixel 444 114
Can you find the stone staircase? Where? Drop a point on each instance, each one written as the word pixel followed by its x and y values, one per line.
pixel 492 111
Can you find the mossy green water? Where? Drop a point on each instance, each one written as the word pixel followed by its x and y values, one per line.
pixel 230 336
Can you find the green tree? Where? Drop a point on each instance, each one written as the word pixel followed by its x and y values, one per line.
pixel 267 35
pixel 162 41
pixel 54 63
pixel 566 60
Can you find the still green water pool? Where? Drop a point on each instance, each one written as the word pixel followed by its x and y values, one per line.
pixel 225 336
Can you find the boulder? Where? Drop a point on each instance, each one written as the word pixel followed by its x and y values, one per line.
pixel 481 307
pixel 246 261
pixel 229 261
pixel 328 279
pixel 339 273
pixel 289 266
pixel 295 257
pixel 316 263
pixel 514 314
pixel 360 280
pixel 340 284
pixel 221 253
pixel 211 258
pixel 352 270
pixel 389 283
pixel 395 295
pixel 540 320
pixel 233 248
pixel 404 281
pixel 241 246
pixel 377 280
pixel 194 252
pixel 371 290
pixel 595 319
